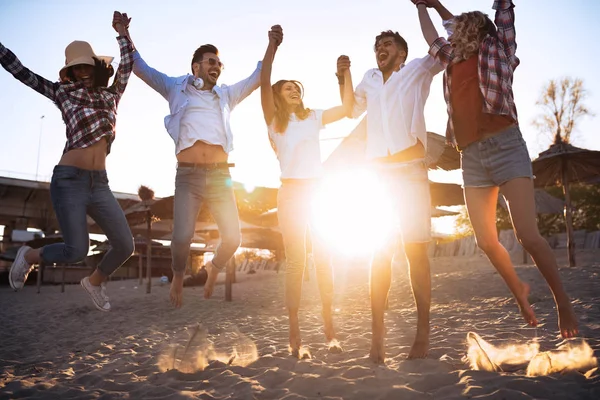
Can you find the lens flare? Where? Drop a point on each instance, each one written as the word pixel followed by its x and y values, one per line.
pixel 354 212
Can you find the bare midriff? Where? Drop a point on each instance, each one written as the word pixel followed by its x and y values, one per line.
pixel 90 158
pixel 202 153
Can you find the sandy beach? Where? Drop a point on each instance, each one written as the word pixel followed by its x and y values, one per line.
pixel 56 345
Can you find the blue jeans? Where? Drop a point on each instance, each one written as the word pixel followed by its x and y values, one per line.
pixel 193 186
pixel 294 212
pixel 75 194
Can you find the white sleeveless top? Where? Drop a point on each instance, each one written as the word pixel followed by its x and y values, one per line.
pixel 298 149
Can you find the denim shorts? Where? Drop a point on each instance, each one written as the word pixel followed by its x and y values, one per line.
pixel 496 160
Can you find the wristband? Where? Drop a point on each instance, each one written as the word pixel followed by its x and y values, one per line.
pixel 419 2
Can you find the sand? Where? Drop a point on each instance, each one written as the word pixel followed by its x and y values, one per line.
pixel 56 345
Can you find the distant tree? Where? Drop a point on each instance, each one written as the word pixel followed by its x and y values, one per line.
pixel 585 201
pixel 462 224
pixel 562 107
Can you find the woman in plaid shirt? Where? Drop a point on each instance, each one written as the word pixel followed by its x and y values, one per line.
pixel 479 57
pixel 79 184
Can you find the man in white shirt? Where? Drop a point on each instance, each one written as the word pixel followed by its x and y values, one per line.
pixel 394 95
pixel 199 125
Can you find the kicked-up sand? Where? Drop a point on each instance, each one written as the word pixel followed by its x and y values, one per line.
pixel 57 345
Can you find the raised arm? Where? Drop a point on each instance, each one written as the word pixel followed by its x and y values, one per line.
pixel 429 32
pixel 358 102
pixel 443 12
pixel 439 48
pixel 121 25
pixel 345 110
pixel 343 64
pixel 505 24
pixel 266 91
pixel 11 63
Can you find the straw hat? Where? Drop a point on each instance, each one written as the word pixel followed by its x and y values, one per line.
pixel 80 52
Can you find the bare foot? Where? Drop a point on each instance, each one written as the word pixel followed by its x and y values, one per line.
pixel 524 306
pixel 334 347
pixel 304 354
pixel 295 339
pixel 176 293
pixel 567 321
pixel 301 353
pixel 420 346
pixel 209 286
pixel 377 353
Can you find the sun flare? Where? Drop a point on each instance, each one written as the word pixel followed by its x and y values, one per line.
pixel 353 212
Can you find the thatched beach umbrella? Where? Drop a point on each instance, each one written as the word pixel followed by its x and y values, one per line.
pixel 563 164
pixel 446 194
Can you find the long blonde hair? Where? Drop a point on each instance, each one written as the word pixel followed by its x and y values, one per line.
pixel 470 29
pixel 282 113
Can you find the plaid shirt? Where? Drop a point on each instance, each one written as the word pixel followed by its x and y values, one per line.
pixel 89 113
pixel 496 65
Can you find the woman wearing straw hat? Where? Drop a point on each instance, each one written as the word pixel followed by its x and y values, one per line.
pixel 79 184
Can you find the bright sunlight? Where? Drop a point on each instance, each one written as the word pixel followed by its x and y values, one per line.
pixel 353 211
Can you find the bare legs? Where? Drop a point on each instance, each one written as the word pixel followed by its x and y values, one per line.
pixel 519 194
pixel 420 280
pixel 381 278
pixel 481 205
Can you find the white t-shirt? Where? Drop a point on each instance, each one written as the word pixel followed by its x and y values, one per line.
pixel 395 109
pixel 298 149
pixel 202 120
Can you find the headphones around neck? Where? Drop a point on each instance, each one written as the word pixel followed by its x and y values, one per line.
pixel 198 83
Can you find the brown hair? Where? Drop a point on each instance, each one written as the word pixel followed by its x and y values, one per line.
pixel 399 40
pixel 470 29
pixel 282 113
pixel 200 51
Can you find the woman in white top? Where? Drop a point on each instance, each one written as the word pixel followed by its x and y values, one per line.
pixel 294 134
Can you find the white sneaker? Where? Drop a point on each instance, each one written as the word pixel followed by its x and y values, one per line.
pixel 97 294
pixel 20 269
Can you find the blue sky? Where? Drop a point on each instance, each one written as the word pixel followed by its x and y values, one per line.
pixel 555 38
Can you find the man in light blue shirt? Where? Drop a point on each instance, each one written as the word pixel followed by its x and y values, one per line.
pixel 199 125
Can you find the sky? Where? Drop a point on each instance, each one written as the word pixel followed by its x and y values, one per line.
pixel 555 39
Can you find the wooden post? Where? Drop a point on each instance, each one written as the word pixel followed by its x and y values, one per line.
pixel 62 281
pixel 149 251
pixel 140 268
pixel 568 215
pixel 39 276
pixel 228 282
pixel 233 270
